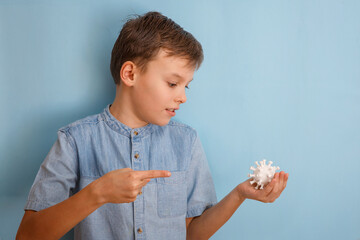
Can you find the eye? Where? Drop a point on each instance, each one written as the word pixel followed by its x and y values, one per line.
pixel 172 84
pixel 175 84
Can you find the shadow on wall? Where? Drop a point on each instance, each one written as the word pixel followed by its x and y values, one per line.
pixel 31 142
pixel 32 138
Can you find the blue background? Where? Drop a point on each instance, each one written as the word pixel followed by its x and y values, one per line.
pixel 280 80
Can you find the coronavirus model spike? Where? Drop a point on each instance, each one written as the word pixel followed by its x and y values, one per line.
pixel 263 174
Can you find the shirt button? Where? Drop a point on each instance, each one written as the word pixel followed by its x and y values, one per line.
pixel 139 230
pixel 136 156
pixel 136 133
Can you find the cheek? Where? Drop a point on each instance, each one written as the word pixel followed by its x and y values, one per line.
pixel 159 94
pixel 152 98
pixel 154 95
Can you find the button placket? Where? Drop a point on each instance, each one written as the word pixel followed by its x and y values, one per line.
pixel 139 202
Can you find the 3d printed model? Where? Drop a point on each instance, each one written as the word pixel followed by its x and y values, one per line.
pixel 263 174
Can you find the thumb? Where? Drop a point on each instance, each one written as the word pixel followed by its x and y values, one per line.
pixel 125 170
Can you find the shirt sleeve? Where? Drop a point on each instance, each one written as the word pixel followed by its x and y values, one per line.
pixel 200 186
pixel 57 176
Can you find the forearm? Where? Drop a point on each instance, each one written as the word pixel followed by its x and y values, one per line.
pixel 56 221
pixel 204 226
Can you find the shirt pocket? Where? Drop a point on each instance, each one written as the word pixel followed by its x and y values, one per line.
pixel 171 195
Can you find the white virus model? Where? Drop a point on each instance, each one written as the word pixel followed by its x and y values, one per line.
pixel 263 174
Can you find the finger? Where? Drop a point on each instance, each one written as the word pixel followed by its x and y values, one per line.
pixel 278 182
pixel 285 181
pixel 269 188
pixel 282 182
pixel 274 194
pixel 282 179
pixel 275 182
pixel 140 191
pixel 153 174
pixel 144 182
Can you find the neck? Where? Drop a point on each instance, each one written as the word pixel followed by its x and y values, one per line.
pixel 123 110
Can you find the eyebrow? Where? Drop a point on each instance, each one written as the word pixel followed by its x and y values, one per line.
pixel 180 77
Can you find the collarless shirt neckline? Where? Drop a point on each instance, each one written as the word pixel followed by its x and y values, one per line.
pixel 123 129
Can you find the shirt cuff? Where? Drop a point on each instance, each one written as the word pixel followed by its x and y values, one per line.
pixel 197 211
pixel 35 205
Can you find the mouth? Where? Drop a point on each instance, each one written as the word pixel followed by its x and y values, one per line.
pixel 171 111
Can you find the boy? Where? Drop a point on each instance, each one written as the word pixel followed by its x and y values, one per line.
pixel 129 172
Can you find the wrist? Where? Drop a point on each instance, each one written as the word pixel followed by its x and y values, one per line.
pixel 97 193
pixel 240 193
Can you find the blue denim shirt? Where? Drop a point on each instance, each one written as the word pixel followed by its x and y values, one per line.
pixel 91 147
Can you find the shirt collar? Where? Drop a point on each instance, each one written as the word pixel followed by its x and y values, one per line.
pixel 123 129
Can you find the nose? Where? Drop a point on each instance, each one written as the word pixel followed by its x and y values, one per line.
pixel 182 97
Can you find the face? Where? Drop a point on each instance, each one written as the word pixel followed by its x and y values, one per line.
pixel 158 92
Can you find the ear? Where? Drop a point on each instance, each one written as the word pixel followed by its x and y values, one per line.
pixel 127 73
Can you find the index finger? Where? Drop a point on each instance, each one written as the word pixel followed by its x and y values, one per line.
pixel 153 174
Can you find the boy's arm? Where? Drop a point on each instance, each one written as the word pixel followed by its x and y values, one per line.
pixel 204 226
pixel 55 221
pixel 118 186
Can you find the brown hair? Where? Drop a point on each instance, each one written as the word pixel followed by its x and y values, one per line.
pixel 141 39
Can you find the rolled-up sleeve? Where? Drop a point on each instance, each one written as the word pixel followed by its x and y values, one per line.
pixel 57 176
pixel 200 185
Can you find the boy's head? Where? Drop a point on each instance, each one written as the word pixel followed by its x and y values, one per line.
pixel 142 38
pixel 152 63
